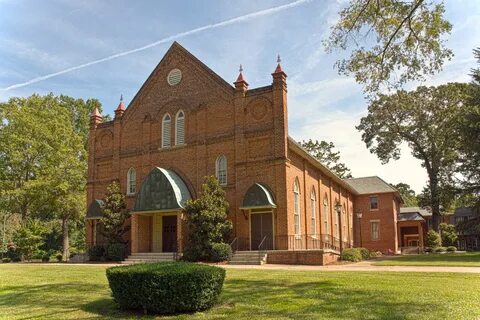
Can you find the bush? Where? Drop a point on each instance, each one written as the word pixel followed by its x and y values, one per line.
pixel 451 249
pixel 37 255
pixel 433 239
pixel 17 259
pixel 115 252
pixel 6 260
pixel 220 252
pixel 365 253
pixel 427 249
pixel 96 253
pixel 59 257
pixel 448 234
pixel 375 254
pixel 351 254
pixel 166 287
pixel 46 257
pixel 440 249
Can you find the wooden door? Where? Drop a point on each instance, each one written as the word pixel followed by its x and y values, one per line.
pixel 169 233
pixel 261 227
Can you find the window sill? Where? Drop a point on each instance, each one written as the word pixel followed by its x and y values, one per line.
pixel 177 146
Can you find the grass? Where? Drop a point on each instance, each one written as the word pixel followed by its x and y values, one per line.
pixel 81 292
pixel 469 259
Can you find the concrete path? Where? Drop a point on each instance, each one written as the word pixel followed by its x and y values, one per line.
pixel 360 266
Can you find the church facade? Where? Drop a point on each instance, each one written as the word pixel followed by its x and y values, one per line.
pixel 186 123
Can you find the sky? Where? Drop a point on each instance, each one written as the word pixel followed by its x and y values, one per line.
pixel 103 49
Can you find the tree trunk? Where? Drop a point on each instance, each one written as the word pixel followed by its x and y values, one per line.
pixel 435 202
pixel 66 246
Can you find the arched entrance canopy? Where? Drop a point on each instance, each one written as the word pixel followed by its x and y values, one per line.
pixel 162 190
pixel 258 196
pixel 94 210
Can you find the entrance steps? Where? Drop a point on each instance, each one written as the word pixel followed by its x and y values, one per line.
pixel 149 257
pixel 249 258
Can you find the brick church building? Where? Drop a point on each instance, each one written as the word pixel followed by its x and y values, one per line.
pixel 186 123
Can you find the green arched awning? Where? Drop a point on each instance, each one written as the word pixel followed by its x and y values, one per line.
pixel 258 196
pixel 94 210
pixel 162 190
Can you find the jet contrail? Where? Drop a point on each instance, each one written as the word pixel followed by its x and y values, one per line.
pixel 156 43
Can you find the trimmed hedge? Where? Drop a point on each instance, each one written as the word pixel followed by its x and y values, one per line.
pixel 220 252
pixel 166 287
pixel 451 249
pixel 365 253
pixel 351 254
pixel 440 249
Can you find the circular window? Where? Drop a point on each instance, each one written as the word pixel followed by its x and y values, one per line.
pixel 174 77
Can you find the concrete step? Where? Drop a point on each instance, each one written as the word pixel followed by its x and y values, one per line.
pixel 149 257
pixel 248 258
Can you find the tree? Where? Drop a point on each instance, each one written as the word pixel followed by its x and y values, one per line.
pixel 469 129
pixel 324 152
pixel 448 234
pixel 115 214
pixel 408 195
pixel 391 41
pixel 207 221
pixel 426 119
pixel 29 238
pixel 433 239
pixel 43 141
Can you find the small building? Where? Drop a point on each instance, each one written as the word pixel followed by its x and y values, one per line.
pixel 469 219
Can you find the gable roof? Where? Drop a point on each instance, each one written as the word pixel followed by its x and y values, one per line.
pixel 410 216
pixel 176 47
pixel 368 185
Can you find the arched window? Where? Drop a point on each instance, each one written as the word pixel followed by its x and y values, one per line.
pixel 221 169
pixel 313 206
pixel 131 181
pixel 166 123
pixel 326 215
pixel 296 202
pixel 180 128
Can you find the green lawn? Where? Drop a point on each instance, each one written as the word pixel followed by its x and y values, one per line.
pixel 81 292
pixel 469 259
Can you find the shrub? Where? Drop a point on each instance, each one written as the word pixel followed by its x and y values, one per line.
pixel 448 234
pixel 17 259
pixel 433 239
pixel 96 253
pixel 6 260
pixel 427 249
pixel 166 287
pixel 451 249
pixel 46 257
pixel 375 254
pixel 220 252
pixel 115 252
pixel 38 254
pixel 440 249
pixel 365 253
pixel 59 257
pixel 351 254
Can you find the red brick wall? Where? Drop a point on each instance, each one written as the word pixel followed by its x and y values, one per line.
pixel 311 257
pixel 386 215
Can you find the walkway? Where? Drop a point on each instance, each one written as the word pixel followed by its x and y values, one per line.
pixel 360 266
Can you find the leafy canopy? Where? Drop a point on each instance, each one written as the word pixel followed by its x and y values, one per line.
pixel 391 41
pixel 115 214
pixel 408 194
pixel 207 221
pixel 425 119
pixel 325 153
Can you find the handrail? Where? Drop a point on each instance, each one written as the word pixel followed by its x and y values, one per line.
pixel 235 241
pixel 263 240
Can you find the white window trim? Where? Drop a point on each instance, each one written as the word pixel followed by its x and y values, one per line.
pixel 177 118
pixel 371 230
pixel 169 122
pixel 370 203
pixel 313 204
pixel 217 169
pixel 296 209
pixel 130 181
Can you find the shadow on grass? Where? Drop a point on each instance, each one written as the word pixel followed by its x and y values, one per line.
pixel 274 299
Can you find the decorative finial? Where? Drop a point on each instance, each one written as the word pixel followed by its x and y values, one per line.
pixel 278 59
pixel 240 69
pixel 121 97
